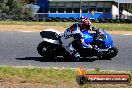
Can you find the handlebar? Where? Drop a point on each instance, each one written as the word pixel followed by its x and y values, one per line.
pixel 97 30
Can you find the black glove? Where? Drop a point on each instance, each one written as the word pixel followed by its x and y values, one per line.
pixel 94 28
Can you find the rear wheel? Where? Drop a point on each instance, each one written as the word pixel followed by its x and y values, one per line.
pixel 46 50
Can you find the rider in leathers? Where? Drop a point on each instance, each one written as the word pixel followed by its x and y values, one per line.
pixel 72 33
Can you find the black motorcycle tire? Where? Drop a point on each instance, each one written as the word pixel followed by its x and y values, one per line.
pixel 112 52
pixel 49 51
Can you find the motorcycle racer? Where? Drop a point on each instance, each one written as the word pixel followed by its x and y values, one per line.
pixel 75 33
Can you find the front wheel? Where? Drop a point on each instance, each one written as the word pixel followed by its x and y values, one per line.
pixel 46 50
pixel 112 52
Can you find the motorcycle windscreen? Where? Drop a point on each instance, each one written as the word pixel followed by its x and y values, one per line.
pixel 88 37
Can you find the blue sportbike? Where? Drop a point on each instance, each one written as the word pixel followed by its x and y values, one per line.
pixel 103 46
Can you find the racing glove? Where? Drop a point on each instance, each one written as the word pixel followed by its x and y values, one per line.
pixel 94 28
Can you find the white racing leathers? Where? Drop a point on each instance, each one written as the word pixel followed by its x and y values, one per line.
pixel 68 37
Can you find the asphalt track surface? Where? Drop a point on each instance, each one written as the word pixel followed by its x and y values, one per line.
pixel 19 49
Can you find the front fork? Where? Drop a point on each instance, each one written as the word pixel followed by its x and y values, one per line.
pixel 104 51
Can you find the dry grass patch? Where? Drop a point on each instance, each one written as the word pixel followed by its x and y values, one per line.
pixel 11 77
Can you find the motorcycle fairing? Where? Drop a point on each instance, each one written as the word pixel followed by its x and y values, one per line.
pixel 88 37
pixel 104 37
pixel 51 36
pixel 108 40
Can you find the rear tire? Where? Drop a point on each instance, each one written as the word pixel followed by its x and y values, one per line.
pixel 46 50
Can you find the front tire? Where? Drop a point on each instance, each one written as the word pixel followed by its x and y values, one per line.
pixel 46 50
pixel 112 52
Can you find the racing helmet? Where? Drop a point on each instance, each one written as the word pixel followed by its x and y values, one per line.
pixel 84 23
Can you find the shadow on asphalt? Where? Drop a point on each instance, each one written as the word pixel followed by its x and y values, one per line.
pixel 59 59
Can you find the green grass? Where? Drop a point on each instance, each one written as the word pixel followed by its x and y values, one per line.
pixel 44 74
pixel 106 26
pixel 38 74
pixel 55 77
pixel 114 26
